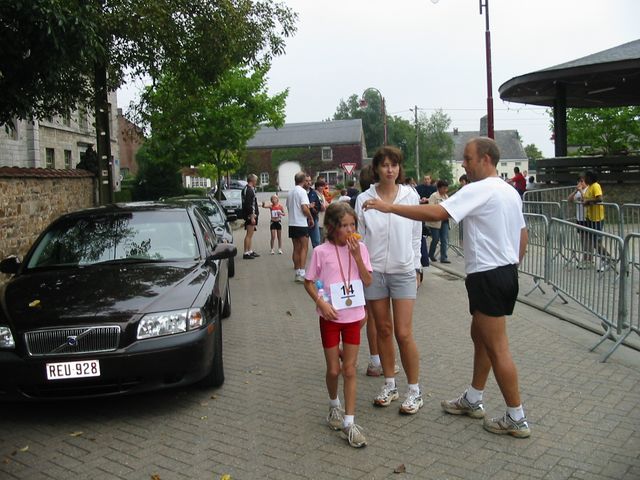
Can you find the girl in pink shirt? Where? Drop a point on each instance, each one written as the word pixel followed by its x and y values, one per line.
pixel 335 278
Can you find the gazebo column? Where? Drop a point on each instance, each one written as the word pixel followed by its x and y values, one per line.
pixel 560 120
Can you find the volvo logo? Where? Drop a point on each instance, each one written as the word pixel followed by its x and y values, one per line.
pixel 72 340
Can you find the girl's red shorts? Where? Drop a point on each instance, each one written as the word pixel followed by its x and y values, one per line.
pixel 331 331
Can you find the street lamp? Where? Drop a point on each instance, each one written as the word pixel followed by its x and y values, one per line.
pixel 487 37
pixel 363 104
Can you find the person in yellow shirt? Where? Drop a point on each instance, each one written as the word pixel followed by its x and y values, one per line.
pixel 594 215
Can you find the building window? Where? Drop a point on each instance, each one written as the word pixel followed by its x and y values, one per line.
pixel 264 178
pixel 50 158
pixel 327 154
pixel 503 164
pixel 67 159
pixel 199 182
pixel 83 121
pixel 66 119
pixel 330 176
pixel 518 164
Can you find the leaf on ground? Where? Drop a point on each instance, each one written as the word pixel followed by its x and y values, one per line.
pixel 226 476
pixel 24 449
pixel 155 476
pixel 213 397
pixel 6 460
pixel 289 313
pixel 76 434
pixel 204 417
pixel 204 404
pixel 400 469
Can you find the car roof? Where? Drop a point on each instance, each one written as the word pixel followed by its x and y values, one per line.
pixel 116 208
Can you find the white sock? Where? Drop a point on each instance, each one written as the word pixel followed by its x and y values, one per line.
pixel 516 413
pixel 348 420
pixel 473 395
pixel 390 381
pixel 334 402
pixel 302 272
pixel 414 387
pixel 375 360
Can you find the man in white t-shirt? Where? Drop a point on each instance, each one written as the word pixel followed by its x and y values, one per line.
pixel 300 219
pixel 495 239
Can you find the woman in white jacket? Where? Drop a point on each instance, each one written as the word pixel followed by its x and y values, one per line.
pixel 394 247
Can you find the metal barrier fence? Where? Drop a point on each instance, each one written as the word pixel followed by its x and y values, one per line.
pixel 630 291
pixel 455 237
pixel 548 209
pixel 556 194
pixel 630 217
pixel 534 262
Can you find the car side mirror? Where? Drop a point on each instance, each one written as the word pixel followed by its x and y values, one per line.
pixel 223 250
pixel 10 265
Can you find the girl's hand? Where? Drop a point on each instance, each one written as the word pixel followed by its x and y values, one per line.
pixel 327 310
pixel 353 244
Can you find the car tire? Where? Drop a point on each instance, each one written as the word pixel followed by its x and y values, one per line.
pixel 232 267
pixel 226 306
pixel 215 377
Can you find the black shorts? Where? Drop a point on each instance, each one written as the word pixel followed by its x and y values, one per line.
pixel 493 292
pixel 247 223
pixel 275 226
pixel 298 232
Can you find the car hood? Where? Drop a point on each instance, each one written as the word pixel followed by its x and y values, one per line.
pixel 98 294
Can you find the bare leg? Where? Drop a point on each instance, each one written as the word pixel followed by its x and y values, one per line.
pixel 403 326
pixel 384 329
pixel 333 370
pixel 248 237
pixel 372 337
pixel 349 357
pixel 491 332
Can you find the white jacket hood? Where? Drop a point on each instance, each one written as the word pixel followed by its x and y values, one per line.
pixel 393 241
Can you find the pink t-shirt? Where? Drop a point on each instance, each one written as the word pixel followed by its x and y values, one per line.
pixel 324 266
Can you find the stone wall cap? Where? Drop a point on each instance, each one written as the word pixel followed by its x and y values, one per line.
pixel 17 172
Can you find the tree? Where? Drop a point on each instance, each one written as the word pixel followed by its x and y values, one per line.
pixel 606 131
pixel 210 124
pixel 371 115
pixel 533 154
pixel 50 48
pixel 436 145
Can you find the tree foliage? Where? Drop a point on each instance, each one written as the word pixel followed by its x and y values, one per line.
pixel 606 131
pixel 51 47
pixel 371 116
pixel 436 145
pixel 533 154
pixel 211 124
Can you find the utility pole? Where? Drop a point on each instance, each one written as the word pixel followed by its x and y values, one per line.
pixel 415 112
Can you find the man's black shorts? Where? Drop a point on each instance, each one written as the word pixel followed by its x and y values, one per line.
pixel 493 292
pixel 298 232
pixel 275 226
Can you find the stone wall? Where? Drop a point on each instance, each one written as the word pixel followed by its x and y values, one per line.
pixel 31 198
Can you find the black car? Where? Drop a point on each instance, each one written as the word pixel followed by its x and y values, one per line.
pixel 216 215
pixel 231 200
pixel 112 300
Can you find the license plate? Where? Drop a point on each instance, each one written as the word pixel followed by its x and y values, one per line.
pixel 81 369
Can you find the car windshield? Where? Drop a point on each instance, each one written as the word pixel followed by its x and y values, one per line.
pixel 232 195
pixel 212 211
pixel 140 235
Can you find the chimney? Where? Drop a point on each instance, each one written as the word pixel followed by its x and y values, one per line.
pixel 455 131
pixel 483 127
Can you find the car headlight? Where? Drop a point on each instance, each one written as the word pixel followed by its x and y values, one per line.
pixel 6 337
pixel 168 323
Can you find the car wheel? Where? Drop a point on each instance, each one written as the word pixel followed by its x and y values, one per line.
pixel 226 307
pixel 215 377
pixel 232 267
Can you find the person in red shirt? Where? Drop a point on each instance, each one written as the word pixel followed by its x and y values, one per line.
pixel 518 181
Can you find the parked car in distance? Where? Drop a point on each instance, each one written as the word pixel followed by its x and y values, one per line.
pixel 237 184
pixel 231 200
pixel 216 215
pixel 114 300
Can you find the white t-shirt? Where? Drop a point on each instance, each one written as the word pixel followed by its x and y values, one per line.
pixel 295 199
pixel 578 198
pixel 493 219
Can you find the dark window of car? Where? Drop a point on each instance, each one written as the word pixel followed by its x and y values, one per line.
pixel 144 235
pixel 210 238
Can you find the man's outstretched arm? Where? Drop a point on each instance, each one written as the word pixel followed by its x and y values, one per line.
pixel 421 213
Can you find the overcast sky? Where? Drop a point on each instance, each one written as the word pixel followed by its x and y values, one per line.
pixel 433 55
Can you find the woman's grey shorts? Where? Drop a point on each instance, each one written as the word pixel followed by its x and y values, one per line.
pixel 392 285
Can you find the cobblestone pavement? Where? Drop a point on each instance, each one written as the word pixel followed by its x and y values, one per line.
pixel 268 419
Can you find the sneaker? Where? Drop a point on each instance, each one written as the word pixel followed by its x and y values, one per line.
pixel 354 435
pixel 299 278
pixel 335 418
pixel 412 403
pixel 247 256
pixel 376 370
pixel 272 252
pixel 279 251
pixel 386 396
pixel 433 259
pixel 445 261
pixel 507 426
pixel 254 254
pixel 462 406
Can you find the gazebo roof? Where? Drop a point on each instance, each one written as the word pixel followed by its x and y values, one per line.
pixel 610 78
